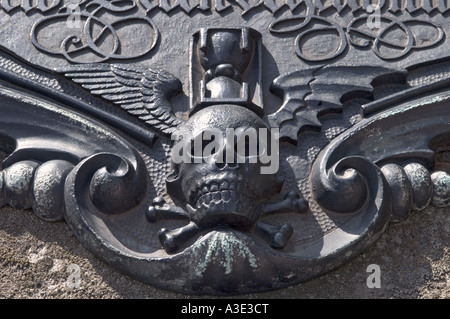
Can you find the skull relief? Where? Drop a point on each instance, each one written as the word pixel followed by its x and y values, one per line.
pixel 218 180
pixel 225 185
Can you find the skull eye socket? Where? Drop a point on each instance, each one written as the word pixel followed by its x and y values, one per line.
pixel 244 145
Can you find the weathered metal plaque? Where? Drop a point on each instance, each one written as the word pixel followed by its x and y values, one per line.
pixel 225 146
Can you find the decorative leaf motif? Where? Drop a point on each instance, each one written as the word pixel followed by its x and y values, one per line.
pixel 309 93
pixel 144 93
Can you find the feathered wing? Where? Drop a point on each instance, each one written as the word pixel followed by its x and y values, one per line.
pixel 144 93
pixel 309 93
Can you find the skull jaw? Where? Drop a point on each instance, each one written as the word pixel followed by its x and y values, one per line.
pixel 241 214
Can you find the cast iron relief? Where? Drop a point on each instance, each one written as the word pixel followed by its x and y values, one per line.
pixel 225 147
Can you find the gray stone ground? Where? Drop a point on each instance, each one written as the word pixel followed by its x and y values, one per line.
pixel 414 258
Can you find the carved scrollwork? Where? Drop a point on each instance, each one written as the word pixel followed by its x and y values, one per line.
pixel 328 31
pixel 412 32
pixel 374 163
pixel 86 36
pixel 114 185
pixel 415 34
pixel 35 172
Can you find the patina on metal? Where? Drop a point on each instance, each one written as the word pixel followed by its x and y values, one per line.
pixel 225 147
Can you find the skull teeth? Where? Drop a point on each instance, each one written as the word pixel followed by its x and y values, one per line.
pixel 216 192
pixel 215 187
pixel 216 196
pixel 207 198
pixel 223 196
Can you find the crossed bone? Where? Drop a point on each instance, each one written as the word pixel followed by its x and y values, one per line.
pixel 276 236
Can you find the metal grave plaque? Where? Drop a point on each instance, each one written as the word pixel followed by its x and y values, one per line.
pixel 225 146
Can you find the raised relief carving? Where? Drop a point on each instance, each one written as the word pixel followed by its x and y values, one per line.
pixel 144 93
pixel 389 38
pixel 27 5
pixel 394 6
pixel 84 32
pixel 267 178
pixel 92 31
